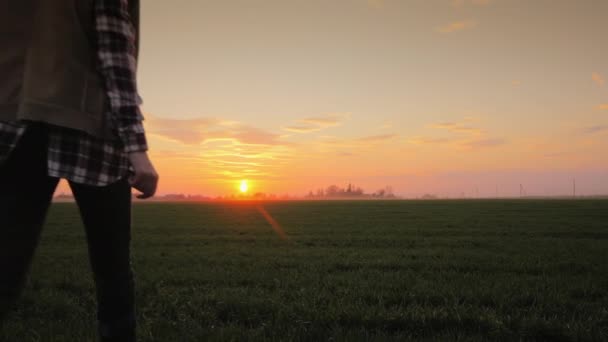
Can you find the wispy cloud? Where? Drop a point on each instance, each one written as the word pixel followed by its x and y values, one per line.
pixel 343 147
pixel 317 123
pixel 328 121
pixel 188 131
pixel 357 144
pixel 462 136
pixel 456 127
pixel 458 142
pixel 430 141
pixel 460 3
pixel 457 26
pixel 302 128
pixel 203 130
pixel 595 129
pixel 377 138
pixel 251 135
pixel 598 79
pixel 489 142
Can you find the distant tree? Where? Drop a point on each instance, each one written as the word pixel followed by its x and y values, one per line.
pixel 259 195
pixel 332 190
pixel 351 190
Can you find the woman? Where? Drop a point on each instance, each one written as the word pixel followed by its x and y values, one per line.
pixel 69 108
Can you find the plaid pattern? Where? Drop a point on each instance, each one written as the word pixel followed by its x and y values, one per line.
pixel 83 158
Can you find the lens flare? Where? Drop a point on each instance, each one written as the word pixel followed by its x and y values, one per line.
pixel 273 223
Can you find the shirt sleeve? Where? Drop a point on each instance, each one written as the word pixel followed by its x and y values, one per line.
pixel 117 55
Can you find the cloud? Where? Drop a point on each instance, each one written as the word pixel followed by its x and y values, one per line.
pixel 489 142
pixel 323 121
pixel 252 135
pixel 458 142
pixel 461 3
pixel 603 106
pixel 376 138
pixel 187 131
pixel 457 26
pixel 595 129
pixel 359 144
pixel 317 123
pixel 462 136
pixel 455 127
pixel 598 79
pixel 203 130
pixel 302 128
pixel 430 141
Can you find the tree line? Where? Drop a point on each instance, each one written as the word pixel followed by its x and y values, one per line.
pixel 350 190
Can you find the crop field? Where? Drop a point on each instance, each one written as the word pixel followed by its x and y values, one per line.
pixel 438 270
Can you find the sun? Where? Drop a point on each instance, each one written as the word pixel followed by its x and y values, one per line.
pixel 244 186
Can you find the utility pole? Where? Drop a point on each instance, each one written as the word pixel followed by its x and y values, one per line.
pixel 521 191
pixel 573 187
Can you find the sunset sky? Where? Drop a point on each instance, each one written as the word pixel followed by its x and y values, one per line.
pixel 428 96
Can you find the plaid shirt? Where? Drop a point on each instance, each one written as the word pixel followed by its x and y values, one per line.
pixel 76 155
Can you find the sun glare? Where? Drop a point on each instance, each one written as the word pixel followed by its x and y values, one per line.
pixel 244 186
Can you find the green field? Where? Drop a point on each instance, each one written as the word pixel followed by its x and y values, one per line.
pixel 348 271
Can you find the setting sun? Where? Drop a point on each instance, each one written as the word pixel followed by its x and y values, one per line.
pixel 244 186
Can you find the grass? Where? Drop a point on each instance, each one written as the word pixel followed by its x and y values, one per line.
pixel 348 271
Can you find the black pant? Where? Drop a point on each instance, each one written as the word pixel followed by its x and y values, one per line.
pixel 25 196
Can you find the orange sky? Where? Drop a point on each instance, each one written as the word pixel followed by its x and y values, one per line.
pixel 429 96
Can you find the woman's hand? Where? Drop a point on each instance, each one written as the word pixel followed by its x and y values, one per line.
pixel 145 178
